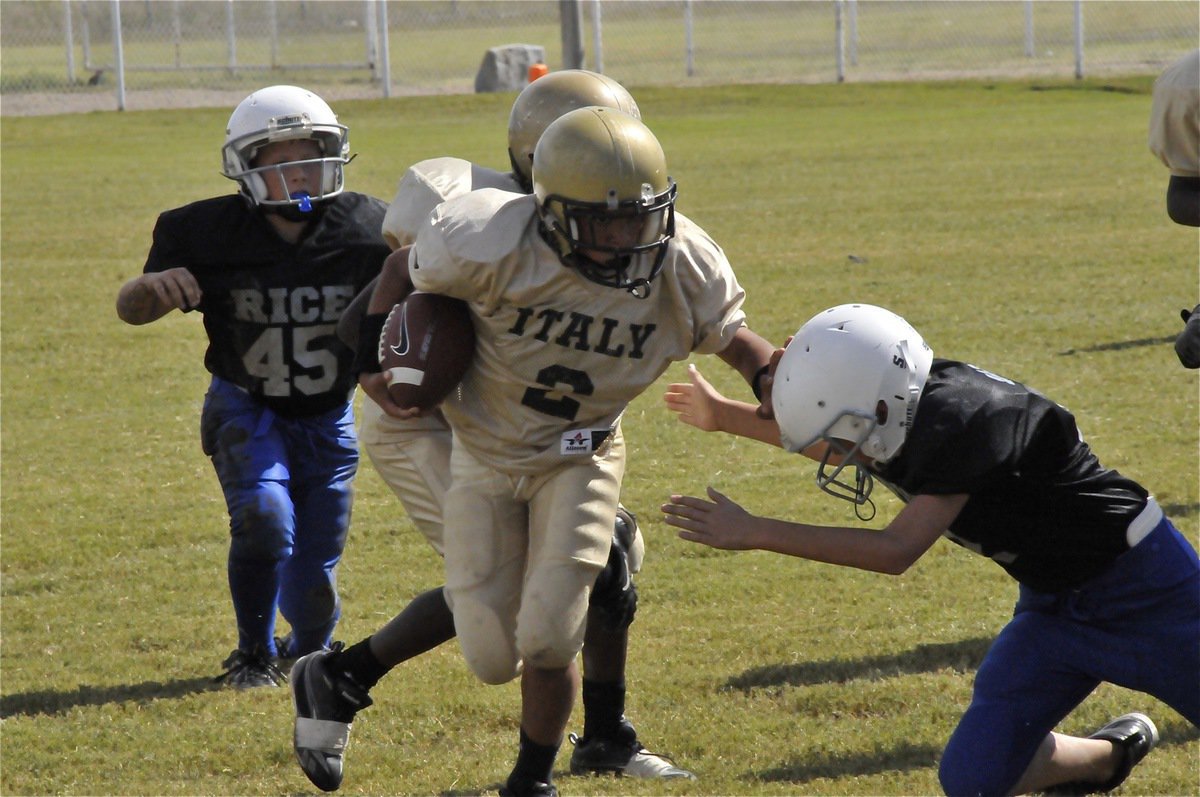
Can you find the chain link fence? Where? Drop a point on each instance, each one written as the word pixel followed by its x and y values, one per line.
pixel 59 56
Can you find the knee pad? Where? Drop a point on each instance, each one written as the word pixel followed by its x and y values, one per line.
pixel 485 640
pixel 614 596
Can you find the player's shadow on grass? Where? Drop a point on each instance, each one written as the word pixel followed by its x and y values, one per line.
pixel 962 655
pixel 50 702
pixel 1118 345
pixel 841 765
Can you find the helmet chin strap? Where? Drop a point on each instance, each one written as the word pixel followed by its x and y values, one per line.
pixel 640 288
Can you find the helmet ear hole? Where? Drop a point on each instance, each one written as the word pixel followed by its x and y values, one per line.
pixel 881 412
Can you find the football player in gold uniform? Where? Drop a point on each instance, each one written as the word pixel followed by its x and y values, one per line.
pixel 538 458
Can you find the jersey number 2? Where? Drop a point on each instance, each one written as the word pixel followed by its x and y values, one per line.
pixel 554 377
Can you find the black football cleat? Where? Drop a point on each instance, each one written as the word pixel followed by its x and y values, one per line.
pixel 326 702
pixel 622 758
pixel 1135 736
pixel 251 669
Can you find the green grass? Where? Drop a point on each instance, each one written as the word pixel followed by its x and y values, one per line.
pixel 1019 226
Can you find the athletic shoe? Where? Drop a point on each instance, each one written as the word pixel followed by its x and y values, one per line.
pixel 597 756
pixel 1135 736
pixel 250 669
pixel 520 787
pixel 325 703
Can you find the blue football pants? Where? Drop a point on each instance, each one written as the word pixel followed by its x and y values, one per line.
pixel 1136 625
pixel 287 485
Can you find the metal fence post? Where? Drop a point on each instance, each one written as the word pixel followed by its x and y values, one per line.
pixel 839 41
pixel 273 25
pixel 1078 39
pixel 85 34
pixel 118 54
pixel 370 15
pixel 230 39
pixel 689 40
pixel 1029 28
pixel 570 17
pixel 852 23
pixel 384 53
pixel 177 34
pixel 597 38
pixel 70 38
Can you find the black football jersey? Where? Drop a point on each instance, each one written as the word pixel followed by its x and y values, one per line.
pixel 1041 505
pixel 271 307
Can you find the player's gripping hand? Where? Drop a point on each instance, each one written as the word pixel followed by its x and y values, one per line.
pixel 376 387
pixel 1187 345
pixel 766 410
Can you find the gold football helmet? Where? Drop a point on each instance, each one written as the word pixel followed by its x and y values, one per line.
pixel 606 203
pixel 549 97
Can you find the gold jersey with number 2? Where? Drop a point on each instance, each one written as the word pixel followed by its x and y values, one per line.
pixel 559 357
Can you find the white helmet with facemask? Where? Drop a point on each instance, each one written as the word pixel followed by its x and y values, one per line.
pixel 284 113
pixel 851 377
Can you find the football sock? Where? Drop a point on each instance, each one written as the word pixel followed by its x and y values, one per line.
pixel 254 585
pixel 535 762
pixel 604 710
pixel 360 664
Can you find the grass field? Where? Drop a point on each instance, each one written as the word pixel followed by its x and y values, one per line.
pixel 1019 226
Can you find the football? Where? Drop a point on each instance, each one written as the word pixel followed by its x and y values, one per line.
pixel 427 343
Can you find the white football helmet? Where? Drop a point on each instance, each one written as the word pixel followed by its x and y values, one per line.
pixel 549 97
pixel 284 113
pixel 851 377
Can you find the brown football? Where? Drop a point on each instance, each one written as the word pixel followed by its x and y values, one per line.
pixel 427 343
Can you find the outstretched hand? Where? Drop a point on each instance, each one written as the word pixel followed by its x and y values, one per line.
pixel 717 523
pixel 695 402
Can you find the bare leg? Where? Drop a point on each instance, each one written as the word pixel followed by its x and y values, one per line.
pixel 547 697
pixel 1063 759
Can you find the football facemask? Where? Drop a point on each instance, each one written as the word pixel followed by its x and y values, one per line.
pixel 829 473
pixel 616 244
